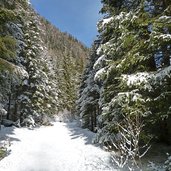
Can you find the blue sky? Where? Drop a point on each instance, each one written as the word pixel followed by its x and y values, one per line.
pixel 77 17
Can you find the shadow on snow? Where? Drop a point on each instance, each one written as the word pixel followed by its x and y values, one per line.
pixel 77 132
pixel 6 133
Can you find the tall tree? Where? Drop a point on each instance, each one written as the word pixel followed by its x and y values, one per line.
pixel 87 104
pixel 133 67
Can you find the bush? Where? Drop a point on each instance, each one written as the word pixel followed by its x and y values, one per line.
pixel 2 153
pixel 6 16
pixel 5 65
pixel 7 48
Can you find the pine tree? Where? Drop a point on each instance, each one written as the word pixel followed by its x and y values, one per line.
pixel 39 71
pixel 133 67
pixel 87 104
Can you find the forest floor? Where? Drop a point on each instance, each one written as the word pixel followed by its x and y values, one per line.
pixel 61 147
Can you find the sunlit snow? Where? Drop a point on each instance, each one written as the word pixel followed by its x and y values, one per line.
pixel 62 147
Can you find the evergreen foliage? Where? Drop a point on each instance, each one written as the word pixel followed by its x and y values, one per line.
pixel 132 70
pixel 40 66
pixel 7 48
pixel 69 57
pixel 6 15
pixel 87 104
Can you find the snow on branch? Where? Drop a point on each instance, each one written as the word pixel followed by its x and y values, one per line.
pixel 146 78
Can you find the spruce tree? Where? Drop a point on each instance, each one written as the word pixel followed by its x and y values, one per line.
pixel 133 68
pixel 87 104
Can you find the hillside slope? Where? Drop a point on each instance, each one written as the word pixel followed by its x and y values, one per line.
pixel 40 66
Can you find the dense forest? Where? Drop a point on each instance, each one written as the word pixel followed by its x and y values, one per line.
pixel 125 95
pixel 40 67
pixel 120 89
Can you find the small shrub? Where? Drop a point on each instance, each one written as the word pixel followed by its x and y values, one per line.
pixel 127 144
pixel 7 48
pixel 5 65
pixel 3 153
pixel 6 16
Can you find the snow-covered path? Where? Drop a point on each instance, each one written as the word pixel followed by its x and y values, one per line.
pixel 62 147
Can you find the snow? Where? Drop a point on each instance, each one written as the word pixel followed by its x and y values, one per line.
pixel 99 50
pixel 167 37
pixel 99 62
pixel 25 82
pixel 21 72
pixel 23 98
pixel 3 112
pixel 28 2
pixel 144 77
pixel 106 21
pixel 120 16
pixel 100 74
pixel 165 19
pixel 136 78
pixel 62 147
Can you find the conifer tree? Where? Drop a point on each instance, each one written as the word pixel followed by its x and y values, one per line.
pixel 87 104
pixel 133 47
pixel 133 67
pixel 39 71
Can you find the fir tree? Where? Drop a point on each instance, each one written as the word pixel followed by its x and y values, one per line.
pixel 132 70
pixel 87 104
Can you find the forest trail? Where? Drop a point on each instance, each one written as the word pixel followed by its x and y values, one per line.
pixel 62 147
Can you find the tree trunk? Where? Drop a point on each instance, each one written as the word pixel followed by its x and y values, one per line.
pixel 9 106
pixel 9 98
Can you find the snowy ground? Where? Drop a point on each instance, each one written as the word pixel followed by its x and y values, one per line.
pixel 62 147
